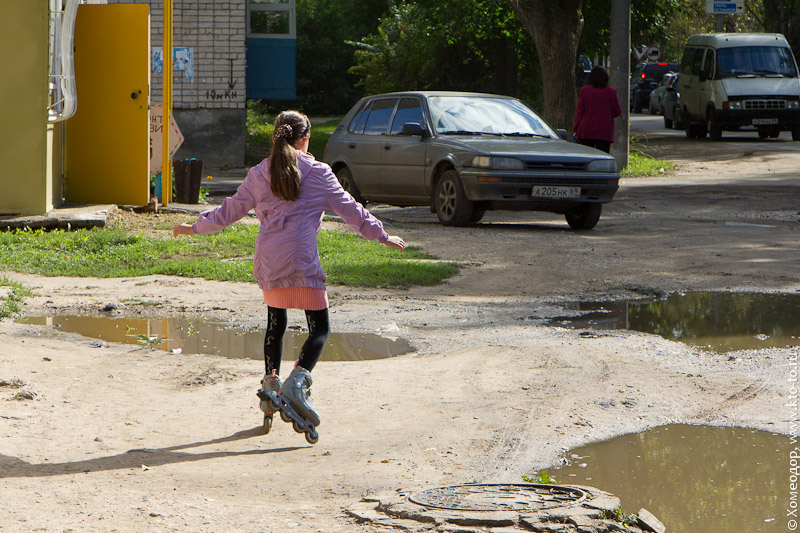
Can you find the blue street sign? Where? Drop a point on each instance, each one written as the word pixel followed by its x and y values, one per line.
pixel 727 7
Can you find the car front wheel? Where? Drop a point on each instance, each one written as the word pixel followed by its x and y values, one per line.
pixel 452 206
pixel 584 216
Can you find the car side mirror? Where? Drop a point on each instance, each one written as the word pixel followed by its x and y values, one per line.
pixel 414 128
pixel 563 134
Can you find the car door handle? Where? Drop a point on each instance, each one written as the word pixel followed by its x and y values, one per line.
pixel 351 145
pixel 387 146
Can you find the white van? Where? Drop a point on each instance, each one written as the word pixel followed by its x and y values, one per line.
pixel 731 80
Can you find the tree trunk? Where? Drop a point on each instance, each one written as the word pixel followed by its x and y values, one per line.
pixel 556 29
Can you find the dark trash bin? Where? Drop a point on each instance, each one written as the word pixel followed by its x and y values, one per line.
pixel 187 174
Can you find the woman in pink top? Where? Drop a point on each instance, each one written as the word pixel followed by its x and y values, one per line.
pixel 290 191
pixel 598 106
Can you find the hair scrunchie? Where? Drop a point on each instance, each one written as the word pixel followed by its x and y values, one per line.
pixel 283 131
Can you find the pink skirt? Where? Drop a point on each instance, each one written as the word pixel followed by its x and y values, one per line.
pixel 306 298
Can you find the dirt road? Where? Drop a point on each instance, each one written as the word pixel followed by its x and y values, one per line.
pixel 126 439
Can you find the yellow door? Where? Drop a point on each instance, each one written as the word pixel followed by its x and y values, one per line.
pixel 108 140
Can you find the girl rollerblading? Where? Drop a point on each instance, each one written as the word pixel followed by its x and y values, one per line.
pixel 290 191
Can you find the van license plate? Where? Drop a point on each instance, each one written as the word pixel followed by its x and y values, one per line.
pixel 544 191
pixel 764 121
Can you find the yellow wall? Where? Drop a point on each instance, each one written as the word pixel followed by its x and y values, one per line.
pixel 25 173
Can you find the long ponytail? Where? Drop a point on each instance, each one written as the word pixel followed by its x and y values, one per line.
pixel 290 128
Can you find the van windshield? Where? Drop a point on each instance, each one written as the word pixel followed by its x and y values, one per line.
pixel 755 62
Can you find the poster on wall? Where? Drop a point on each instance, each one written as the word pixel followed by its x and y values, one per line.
pixel 156 131
pixel 182 61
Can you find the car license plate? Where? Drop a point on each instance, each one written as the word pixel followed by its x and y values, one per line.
pixel 546 191
pixel 764 121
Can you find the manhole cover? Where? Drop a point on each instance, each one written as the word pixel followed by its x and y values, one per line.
pixel 499 497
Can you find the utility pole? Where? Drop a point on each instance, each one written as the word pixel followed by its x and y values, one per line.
pixel 619 77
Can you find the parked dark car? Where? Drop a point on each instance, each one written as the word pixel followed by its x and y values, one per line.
pixel 672 106
pixel 465 153
pixel 645 78
pixel 656 105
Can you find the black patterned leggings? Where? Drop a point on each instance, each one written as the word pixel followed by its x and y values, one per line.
pixel 318 331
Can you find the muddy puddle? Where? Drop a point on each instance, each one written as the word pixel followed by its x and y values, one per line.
pixel 212 338
pixel 693 478
pixel 717 320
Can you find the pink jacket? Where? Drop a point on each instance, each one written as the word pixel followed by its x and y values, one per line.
pixel 594 118
pixel 286 252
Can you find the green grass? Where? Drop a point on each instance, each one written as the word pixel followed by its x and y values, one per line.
pixel 9 304
pixel 224 256
pixel 641 164
pixel 351 260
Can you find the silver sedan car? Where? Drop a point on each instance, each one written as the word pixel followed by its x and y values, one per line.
pixel 465 153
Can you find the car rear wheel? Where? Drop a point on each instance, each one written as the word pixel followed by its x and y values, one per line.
pixel 345 178
pixel 584 216
pixel 667 122
pixel 637 103
pixel 796 134
pixel 452 206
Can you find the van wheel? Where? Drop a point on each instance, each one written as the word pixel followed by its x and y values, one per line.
pixel 713 127
pixel 700 131
pixel 452 206
pixel 796 134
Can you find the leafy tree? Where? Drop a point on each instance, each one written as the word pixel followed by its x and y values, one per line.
pixel 781 16
pixel 556 29
pixel 467 45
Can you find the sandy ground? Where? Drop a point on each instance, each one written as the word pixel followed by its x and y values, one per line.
pixel 121 438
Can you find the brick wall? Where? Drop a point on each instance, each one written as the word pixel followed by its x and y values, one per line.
pixel 210 38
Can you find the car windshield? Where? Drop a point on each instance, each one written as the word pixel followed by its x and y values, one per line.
pixel 475 115
pixel 755 61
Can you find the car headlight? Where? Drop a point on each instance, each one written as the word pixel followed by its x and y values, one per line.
pixel 498 163
pixel 602 165
pixel 735 104
pixel 793 104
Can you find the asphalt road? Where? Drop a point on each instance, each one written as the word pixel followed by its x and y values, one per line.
pixel 653 125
